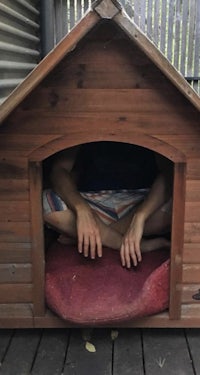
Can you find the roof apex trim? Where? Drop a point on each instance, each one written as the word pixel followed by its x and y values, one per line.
pixel 110 9
pixel 107 8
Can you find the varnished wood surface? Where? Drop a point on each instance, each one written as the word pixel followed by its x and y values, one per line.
pixel 133 351
pixel 105 89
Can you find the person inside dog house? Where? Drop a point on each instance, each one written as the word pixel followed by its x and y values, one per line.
pixel 109 194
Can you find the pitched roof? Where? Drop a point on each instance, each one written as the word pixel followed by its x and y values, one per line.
pixel 108 9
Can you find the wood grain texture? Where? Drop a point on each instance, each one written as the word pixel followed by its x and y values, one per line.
pixel 105 89
pixel 12 252
pixel 47 122
pixel 100 100
pixel 159 353
pixel 14 190
pixel 13 167
pixel 192 232
pixel 37 238
pixel 191 253
pixel 191 273
pixel 51 353
pixel 14 211
pixel 193 190
pixel 177 239
pixel 15 273
pixel 15 232
pixel 192 212
pixel 16 293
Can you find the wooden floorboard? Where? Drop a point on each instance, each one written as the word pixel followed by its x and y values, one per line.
pixel 128 353
pixel 5 339
pixel 20 353
pixel 113 352
pixel 193 338
pixel 81 361
pixel 51 352
pixel 167 351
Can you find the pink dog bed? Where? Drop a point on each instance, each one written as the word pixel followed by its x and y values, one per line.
pixel 102 292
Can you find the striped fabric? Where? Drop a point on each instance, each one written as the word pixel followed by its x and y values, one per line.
pixel 110 205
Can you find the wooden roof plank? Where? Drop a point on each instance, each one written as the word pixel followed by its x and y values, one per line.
pixel 110 9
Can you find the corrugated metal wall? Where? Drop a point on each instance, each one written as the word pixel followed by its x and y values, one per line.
pixel 19 42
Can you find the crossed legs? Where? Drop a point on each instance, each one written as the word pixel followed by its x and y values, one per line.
pixel 64 222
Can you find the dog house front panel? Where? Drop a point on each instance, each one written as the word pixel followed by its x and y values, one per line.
pixel 105 89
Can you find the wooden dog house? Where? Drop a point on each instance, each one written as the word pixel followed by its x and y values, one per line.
pixel 104 81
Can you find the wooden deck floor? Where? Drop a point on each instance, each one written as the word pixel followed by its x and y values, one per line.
pixel 134 351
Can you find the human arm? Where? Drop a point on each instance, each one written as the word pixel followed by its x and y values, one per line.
pixel 159 194
pixel 64 184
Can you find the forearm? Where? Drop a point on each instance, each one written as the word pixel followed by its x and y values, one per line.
pixel 157 196
pixel 64 185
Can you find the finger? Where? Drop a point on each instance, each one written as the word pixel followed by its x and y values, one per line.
pixel 133 254
pixel 80 243
pixel 86 246
pixel 127 255
pixel 138 252
pixel 122 256
pixel 92 246
pixel 99 247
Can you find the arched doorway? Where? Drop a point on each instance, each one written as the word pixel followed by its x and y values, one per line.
pixel 35 168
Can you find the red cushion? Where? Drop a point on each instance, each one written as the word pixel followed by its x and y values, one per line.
pixel 101 291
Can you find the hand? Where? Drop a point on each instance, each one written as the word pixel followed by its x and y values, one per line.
pixel 130 251
pixel 89 239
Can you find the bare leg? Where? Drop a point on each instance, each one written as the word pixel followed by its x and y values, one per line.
pixel 64 222
pixel 158 223
pixel 154 244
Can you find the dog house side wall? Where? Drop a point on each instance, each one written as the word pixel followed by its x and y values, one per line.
pixel 105 86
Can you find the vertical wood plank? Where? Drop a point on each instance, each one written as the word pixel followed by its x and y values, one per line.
pixel 170 29
pixel 128 5
pixel 58 20
pixel 156 22
pixel 86 5
pixel 137 12
pixel 190 49
pixel 64 17
pixel 72 14
pixel 143 15
pixel 38 262
pixel 149 18
pixel 79 10
pixel 177 239
pixel 177 34
pixel 197 48
pixel 163 26
pixel 185 11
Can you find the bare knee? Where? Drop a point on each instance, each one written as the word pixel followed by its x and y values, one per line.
pixel 160 221
pixel 61 221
